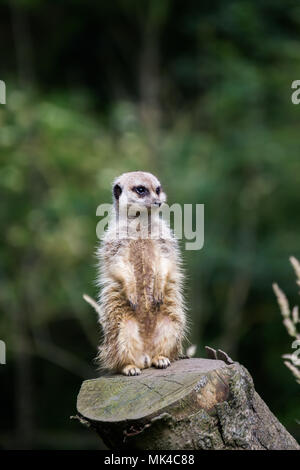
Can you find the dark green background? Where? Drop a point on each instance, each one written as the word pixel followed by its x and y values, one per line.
pixel 200 95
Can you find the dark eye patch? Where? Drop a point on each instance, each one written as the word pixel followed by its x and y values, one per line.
pixel 158 189
pixel 117 190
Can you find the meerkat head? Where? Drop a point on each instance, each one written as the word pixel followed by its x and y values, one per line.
pixel 138 189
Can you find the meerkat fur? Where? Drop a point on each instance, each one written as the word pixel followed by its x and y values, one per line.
pixel 140 278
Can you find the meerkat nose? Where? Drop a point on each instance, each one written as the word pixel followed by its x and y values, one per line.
pixel 157 203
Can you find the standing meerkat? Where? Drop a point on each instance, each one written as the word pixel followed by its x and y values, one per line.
pixel 141 303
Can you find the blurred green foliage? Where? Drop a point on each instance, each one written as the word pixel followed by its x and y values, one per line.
pixel 200 96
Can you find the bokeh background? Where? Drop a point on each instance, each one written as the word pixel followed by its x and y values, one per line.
pixel 199 93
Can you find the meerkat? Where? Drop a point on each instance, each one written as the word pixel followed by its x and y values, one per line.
pixel 142 310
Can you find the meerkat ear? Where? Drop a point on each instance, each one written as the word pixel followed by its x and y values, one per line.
pixel 117 190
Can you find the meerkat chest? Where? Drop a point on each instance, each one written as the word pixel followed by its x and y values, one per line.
pixel 144 257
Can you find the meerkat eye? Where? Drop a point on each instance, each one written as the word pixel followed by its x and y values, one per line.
pixel 158 190
pixel 141 190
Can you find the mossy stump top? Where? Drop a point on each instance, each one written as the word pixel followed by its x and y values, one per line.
pixel 193 404
pixel 115 398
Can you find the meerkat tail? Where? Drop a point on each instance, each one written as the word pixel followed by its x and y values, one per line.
pixel 92 302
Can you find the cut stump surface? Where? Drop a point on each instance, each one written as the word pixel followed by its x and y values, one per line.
pixel 193 404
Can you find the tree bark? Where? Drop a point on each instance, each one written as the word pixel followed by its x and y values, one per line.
pixel 194 404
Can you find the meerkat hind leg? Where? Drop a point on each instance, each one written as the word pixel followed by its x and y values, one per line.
pixel 131 369
pixel 161 362
pixel 130 349
pixel 165 338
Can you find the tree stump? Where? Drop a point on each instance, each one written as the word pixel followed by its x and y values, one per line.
pixel 193 404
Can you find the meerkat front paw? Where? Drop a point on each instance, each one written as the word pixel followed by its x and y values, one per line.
pixel 158 290
pixel 161 362
pixel 132 299
pixel 131 369
pixel 158 295
pixel 158 299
